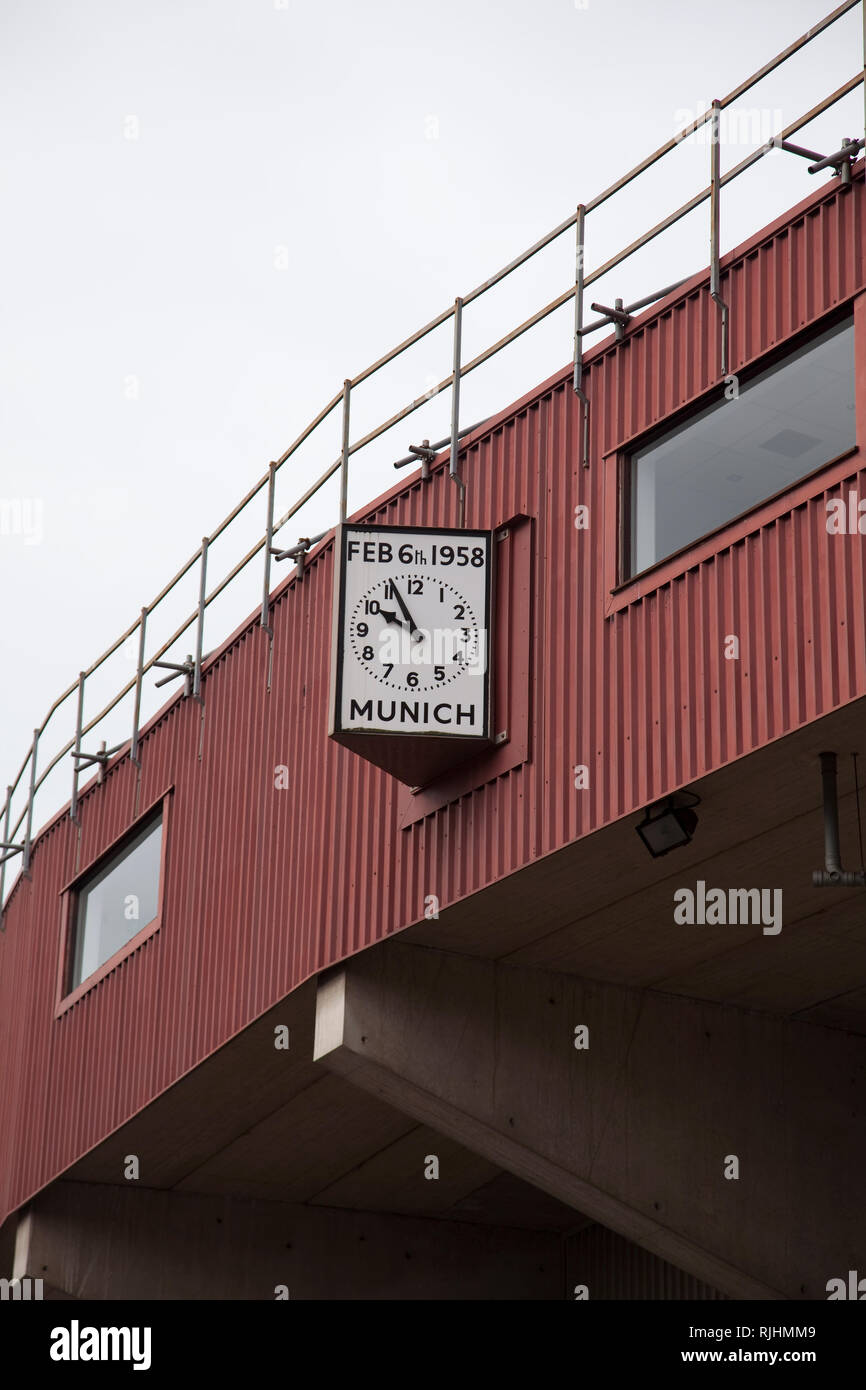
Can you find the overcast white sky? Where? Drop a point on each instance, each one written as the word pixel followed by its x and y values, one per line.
pixel 216 210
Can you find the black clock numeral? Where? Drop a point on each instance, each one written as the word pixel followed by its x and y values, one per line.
pixel 389 594
pixel 441 595
pixel 362 628
pixel 389 666
pixel 439 672
pixel 367 653
pixel 460 610
pixel 371 605
pixel 412 679
pixel 414 586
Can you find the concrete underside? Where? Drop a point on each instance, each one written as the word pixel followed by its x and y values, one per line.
pixel 433 1132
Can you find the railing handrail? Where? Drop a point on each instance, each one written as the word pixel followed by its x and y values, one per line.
pixel 452 380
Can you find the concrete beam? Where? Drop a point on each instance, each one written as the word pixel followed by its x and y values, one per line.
pixel 109 1242
pixel 637 1130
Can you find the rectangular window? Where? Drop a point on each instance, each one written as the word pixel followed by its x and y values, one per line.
pixel 783 424
pixel 118 899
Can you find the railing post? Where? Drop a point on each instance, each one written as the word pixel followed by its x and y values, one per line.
pixel 25 866
pixel 139 677
pixel 7 828
pixel 344 464
pixel 269 537
pixel 579 273
pixel 79 718
pixel 715 195
pixel 455 413
pixel 199 637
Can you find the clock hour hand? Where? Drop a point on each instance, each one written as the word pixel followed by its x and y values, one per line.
pixel 415 631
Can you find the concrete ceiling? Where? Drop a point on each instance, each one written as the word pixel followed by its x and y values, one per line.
pixel 602 908
pixel 256 1122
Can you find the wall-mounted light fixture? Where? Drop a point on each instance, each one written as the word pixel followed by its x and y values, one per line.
pixel 668 824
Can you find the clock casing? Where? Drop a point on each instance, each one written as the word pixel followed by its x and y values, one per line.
pixel 410 667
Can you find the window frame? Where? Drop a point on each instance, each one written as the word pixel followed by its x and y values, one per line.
pixel 622 589
pixel 69 899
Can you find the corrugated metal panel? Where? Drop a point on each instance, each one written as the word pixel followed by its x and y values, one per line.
pixel 266 887
pixel 613 1268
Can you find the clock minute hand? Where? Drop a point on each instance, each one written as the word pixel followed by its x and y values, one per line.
pixel 406 614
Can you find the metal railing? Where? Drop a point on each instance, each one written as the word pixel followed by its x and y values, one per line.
pixel 618 316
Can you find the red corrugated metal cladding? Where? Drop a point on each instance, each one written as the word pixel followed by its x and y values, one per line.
pixel 266 887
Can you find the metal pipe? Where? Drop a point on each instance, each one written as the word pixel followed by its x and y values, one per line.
pixel 801 150
pixel 400 348
pixel 792 129
pixel 715 213
pixel 139 677
pixel 305 543
pixel 659 294
pixel 579 253
pixel 183 669
pixel 455 413
pixel 435 448
pixel 833 875
pixel 579 277
pixel 25 866
pixel 791 49
pixel 630 309
pixel 6 824
pixel 73 804
pixel 199 636
pixel 269 537
pixel 344 459
pixel 832 855
pixel 839 160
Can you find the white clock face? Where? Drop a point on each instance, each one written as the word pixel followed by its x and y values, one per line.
pixel 411 631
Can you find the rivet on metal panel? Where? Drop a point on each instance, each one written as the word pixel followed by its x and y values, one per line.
pixel 503 534
pixel 501 737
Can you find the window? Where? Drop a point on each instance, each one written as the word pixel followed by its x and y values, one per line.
pixel 116 900
pixel 785 422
